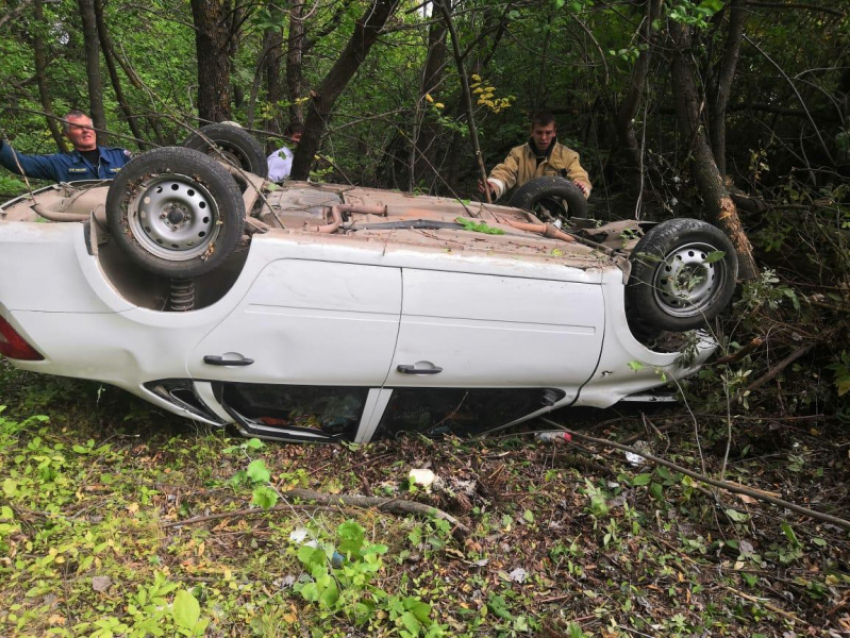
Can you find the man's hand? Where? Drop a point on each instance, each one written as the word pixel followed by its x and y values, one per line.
pixel 489 186
pixel 585 190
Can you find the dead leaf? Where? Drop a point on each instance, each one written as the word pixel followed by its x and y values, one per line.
pixel 101 583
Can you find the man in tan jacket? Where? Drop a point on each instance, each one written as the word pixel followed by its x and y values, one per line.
pixel 541 156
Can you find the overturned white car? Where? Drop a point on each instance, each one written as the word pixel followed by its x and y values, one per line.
pixel 319 312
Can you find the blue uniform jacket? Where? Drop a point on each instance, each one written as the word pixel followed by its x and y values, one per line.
pixel 64 167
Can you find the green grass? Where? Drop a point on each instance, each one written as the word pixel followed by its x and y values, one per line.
pixel 93 482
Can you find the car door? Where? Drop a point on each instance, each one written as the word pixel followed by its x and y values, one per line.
pixel 477 351
pixel 304 353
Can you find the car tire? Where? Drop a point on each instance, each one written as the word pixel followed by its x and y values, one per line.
pixel 679 278
pixel 235 146
pixel 175 212
pixel 547 192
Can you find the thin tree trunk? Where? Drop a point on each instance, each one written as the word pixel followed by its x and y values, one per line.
pixel 435 65
pixel 467 94
pixel 708 178
pixel 212 40
pixel 295 59
pixel 366 32
pixel 274 84
pixel 719 96
pixel 92 48
pixel 626 113
pixel 41 77
pixel 109 57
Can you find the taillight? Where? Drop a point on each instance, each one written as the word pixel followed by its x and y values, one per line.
pixel 14 346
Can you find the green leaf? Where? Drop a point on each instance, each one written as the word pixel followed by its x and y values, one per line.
pixel 186 611
pixel 736 516
pixel 264 497
pixel 636 365
pixel 258 472
pixel 329 595
pixel 717 255
pixel 642 479
pixel 351 536
pixel 410 622
pixel 657 491
pixel 790 535
pixel 528 516
pixel 255 444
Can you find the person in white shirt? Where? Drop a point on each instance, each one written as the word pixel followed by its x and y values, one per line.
pixel 280 162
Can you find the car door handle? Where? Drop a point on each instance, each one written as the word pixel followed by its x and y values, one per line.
pixel 415 370
pixel 218 360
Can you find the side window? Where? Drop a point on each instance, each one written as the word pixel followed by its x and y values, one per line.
pixel 459 411
pixel 333 412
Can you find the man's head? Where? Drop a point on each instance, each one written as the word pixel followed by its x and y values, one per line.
pixel 294 131
pixel 543 130
pixel 78 129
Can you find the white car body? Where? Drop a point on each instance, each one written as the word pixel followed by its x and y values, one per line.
pixel 519 325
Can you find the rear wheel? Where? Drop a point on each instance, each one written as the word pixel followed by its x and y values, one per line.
pixel 232 145
pixel 683 275
pixel 175 212
pixel 550 194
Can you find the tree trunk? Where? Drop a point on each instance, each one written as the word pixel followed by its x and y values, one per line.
pixel 719 96
pixel 274 84
pixel 626 113
pixel 212 41
pixel 108 56
pixel 365 35
pixel 92 48
pixel 435 65
pixel 708 178
pixel 295 59
pixel 41 77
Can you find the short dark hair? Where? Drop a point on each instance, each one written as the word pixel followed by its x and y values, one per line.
pixel 542 118
pixel 292 128
pixel 73 113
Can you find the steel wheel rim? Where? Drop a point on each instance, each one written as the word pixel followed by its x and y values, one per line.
pixel 684 284
pixel 174 217
pixel 229 155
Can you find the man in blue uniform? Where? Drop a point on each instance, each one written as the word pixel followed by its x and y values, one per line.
pixel 86 161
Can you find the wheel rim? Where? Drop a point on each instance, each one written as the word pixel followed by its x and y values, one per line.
pixel 174 217
pixel 684 284
pixel 229 154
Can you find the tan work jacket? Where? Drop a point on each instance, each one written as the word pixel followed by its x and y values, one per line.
pixel 520 166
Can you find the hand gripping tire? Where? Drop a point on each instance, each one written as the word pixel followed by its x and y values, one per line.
pixel 175 212
pixel 683 275
pixel 548 193
pixel 235 146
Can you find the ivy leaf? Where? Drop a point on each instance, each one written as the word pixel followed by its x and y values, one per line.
pixel 186 611
pixel 258 472
pixel 717 255
pixel 255 444
pixel 265 497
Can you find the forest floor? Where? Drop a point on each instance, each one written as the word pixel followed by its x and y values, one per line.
pixel 100 532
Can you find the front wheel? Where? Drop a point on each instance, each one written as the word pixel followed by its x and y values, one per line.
pixel 683 275
pixel 175 212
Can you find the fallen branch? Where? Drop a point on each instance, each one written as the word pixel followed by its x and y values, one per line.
pixel 767 605
pixel 392 505
pixel 736 489
pixel 740 354
pixel 327 501
pixel 776 370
